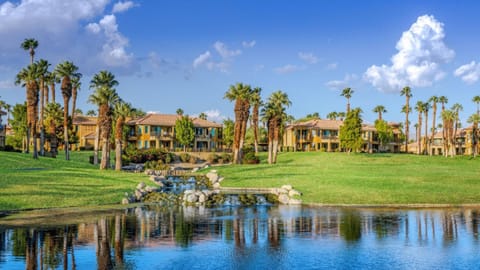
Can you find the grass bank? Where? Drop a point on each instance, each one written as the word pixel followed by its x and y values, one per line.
pixel 338 178
pixel 26 183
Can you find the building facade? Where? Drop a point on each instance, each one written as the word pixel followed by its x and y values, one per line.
pixel 323 135
pixel 158 131
pixel 84 127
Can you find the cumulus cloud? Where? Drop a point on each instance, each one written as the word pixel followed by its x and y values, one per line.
pixel 113 52
pixel 469 73
pixel 222 49
pixel 122 6
pixel 250 44
pixel 310 58
pixel 421 52
pixel 214 115
pixel 202 59
pixel 289 68
pixel 341 84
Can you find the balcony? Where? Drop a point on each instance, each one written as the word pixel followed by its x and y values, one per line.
pixel 161 135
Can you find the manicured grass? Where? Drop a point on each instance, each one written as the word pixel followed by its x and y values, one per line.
pixel 338 178
pixel 26 183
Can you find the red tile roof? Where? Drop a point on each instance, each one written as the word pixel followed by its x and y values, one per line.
pixel 169 120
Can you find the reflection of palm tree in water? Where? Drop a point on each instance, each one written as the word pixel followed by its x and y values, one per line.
pixel 119 239
pixel 104 259
pixel 31 250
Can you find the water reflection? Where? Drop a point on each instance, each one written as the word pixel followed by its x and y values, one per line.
pixel 275 236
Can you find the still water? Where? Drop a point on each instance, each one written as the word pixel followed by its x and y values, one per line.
pixel 262 237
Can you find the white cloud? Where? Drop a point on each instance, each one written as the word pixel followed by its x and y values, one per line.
pixel 250 44
pixel 6 84
pixel 341 84
pixel 122 6
pixel 113 52
pixel 332 66
pixel 421 51
pixel 202 59
pixel 287 69
pixel 214 115
pixel 222 49
pixel 308 57
pixel 470 73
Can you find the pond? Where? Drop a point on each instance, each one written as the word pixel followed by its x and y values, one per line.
pixel 260 237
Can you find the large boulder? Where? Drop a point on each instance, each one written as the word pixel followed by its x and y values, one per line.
pixel 216 185
pixel 293 193
pixel 202 198
pixel 283 199
pixel 191 198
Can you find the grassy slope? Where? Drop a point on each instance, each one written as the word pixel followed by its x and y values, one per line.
pixel 45 183
pixel 338 178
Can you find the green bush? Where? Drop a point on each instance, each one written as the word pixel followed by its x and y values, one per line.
pixel 250 158
pixel 184 157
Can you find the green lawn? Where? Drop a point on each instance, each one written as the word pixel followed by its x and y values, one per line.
pixel 338 178
pixel 26 183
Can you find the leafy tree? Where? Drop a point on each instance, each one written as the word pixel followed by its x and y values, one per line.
pixel 184 131
pixel 228 132
pixel 19 124
pixel 385 132
pixel 351 131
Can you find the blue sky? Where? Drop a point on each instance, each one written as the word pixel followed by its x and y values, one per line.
pixel 185 54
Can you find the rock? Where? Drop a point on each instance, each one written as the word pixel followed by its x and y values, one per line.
pixel 189 191
pixel 191 198
pixel 220 179
pixel 206 166
pixel 202 198
pixel 195 169
pixel 294 202
pixel 138 195
pixel 216 185
pixel 283 199
pixel 282 191
pixel 287 187
pixel 149 172
pixel 125 201
pixel 141 185
pixel 150 189
pixel 293 193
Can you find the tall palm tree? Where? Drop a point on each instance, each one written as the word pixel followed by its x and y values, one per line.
pixel 332 115
pixel 43 73
pixel 274 113
pixel 76 84
pixel 476 99
pixel 448 118
pixel 341 115
pixel 420 109
pixel 122 110
pixel 426 108
pixel 179 111
pixel 241 94
pixel 8 108
pixel 347 93
pixel 28 77
pixel 256 101
pixel 474 119
pixel 30 44
pixel 53 118
pixel 203 116
pixel 456 108
pixel 66 70
pixel 103 79
pixel 51 80
pixel 443 100
pixel 434 101
pixel 407 92
pixel 379 109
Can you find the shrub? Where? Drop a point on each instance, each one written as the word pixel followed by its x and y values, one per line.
pixel 169 157
pixel 250 158
pixel 184 157
pixel 226 157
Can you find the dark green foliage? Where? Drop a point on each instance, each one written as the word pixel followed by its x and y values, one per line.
pixel 351 131
pixel 250 158
pixel 144 155
pixel 184 157
pixel 228 132
pixel 184 131
pixel 385 132
pixel 156 165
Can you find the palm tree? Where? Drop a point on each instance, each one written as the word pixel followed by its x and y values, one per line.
pixel 28 77
pixel 443 100
pixel 241 93
pixel 420 108
pixel 53 118
pixel 407 92
pixel 76 84
pixel 43 73
pixel 52 79
pixel 30 44
pixel 203 116
pixel 256 101
pixel 332 115
pixel 476 99
pixel 274 113
pixel 91 113
pixel 8 108
pixel 103 79
pixel 341 115
pixel 456 108
pixel 379 109
pixel 66 70
pixel 426 108
pixel 179 111
pixel 448 118
pixel 474 119
pixel 434 101
pixel 122 110
pixel 347 93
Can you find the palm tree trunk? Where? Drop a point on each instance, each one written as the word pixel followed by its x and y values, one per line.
pixel 407 125
pixel 271 125
pixel 255 126
pixel 96 144
pixel 52 88
pixel 419 134
pixel 104 162
pixel 42 109
pixel 425 142
pixel 237 131
pixel 434 128
pixel 74 102
pixel 65 128
pixel 118 143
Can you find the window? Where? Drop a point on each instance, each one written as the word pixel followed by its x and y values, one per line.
pixel 139 144
pixel 139 131
pixel 146 144
pixel 146 129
